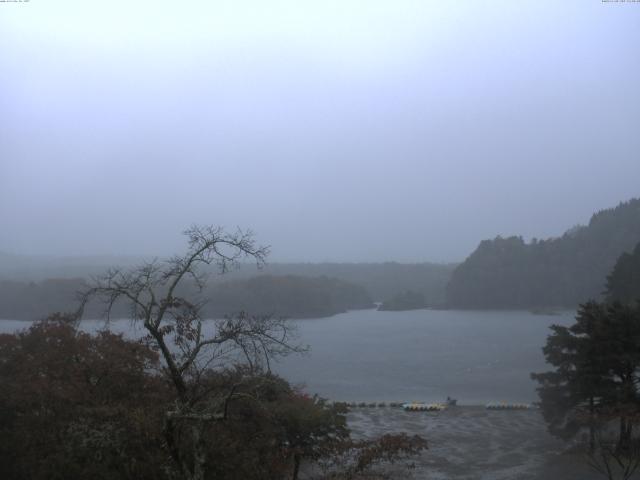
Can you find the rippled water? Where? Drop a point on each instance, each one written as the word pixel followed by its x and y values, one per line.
pixel 421 355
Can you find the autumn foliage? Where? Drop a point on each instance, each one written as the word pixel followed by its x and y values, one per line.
pixel 77 406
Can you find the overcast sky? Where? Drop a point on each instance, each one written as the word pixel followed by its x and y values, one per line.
pixel 336 130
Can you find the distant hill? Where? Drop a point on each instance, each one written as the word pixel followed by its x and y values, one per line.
pixel 287 296
pixel 33 286
pixel 35 268
pixel 557 272
pixel 381 280
pixel 407 300
pixel 623 283
pixel 21 300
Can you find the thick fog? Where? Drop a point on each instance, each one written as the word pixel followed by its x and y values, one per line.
pixel 336 130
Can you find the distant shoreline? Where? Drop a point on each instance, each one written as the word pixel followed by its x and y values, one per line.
pixel 552 312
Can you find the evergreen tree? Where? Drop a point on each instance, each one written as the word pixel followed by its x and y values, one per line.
pixel 569 395
pixel 597 370
pixel 557 272
pixel 623 283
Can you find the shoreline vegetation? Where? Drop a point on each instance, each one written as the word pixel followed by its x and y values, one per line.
pixel 282 296
pixel 168 299
pixel 182 401
pixel 551 312
pixel 289 290
pixel 407 300
pixel 561 272
pixel 542 276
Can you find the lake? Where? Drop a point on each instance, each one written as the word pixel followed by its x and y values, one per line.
pixel 422 355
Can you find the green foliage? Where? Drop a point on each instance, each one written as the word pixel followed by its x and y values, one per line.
pixel 407 300
pixel 558 272
pixel 288 295
pixel 21 300
pixel 30 288
pixel 380 280
pixel 271 439
pixel 623 283
pixel 75 406
pixel 597 370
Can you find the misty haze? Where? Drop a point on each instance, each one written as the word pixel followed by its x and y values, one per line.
pixel 320 240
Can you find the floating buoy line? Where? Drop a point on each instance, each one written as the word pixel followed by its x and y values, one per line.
pixel 424 407
pixel 509 406
pixel 433 407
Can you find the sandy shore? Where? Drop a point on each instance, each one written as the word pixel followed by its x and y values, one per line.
pixel 474 443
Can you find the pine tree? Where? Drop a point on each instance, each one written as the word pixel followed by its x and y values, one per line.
pixel 597 366
pixel 623 283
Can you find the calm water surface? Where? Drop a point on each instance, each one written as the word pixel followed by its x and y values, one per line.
pixel 421 355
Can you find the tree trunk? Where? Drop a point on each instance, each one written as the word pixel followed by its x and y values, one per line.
pixel 624 439
pixel 199 456
pixel 169 432
pixel 592 428
pixel 296 466
pixel 192 466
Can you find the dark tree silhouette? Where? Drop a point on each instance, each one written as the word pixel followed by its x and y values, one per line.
pixel 189 348
pixel 75 406
pixel 623 283
pixel 597 371
pixel 556 272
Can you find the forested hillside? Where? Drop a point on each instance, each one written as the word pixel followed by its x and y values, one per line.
pixel 562 272
pixel 623 283
pixel 288 296
pixel 382 281
pixel 407 300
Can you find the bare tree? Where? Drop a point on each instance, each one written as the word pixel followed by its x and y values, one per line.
pixel 611 462
pixel 188 346
pixel 607 455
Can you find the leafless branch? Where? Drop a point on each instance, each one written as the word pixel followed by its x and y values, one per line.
pixel 176 329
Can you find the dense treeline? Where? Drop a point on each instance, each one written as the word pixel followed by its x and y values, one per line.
pixel 623 283
pixel 407 300
pixel 596 376
pixel 37 268
pixel 565 271
pixel 381 280
pixel 34 300
pixel 77 406
pixel 594 385
pixel 182 402
pixel 289 296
